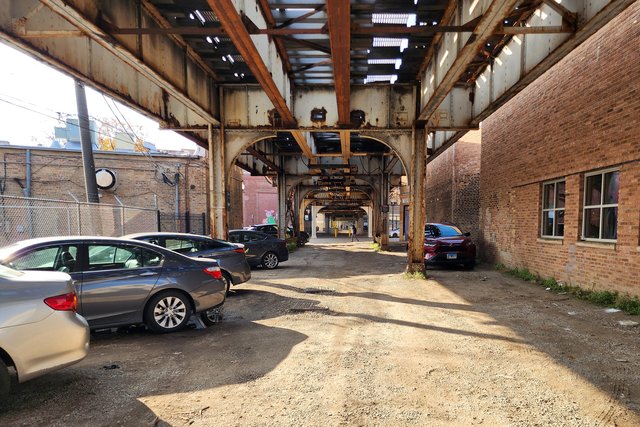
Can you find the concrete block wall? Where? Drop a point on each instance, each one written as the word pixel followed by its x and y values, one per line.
pixel 580 117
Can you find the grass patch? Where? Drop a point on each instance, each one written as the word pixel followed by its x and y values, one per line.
pixel 292 244
pixel 626 303
pixel 416 275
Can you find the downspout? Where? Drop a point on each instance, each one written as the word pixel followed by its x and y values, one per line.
pixel 176 183
pixel 26 191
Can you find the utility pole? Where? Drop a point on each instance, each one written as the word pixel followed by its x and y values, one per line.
pixel 90 184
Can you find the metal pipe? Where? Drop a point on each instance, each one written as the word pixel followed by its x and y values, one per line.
pixel 27 190
pixel 91 187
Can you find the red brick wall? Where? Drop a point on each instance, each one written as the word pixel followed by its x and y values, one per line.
pixel 453 183
pixel 581 116
pixel 259 196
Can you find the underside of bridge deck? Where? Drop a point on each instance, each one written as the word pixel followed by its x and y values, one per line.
pixel 336 100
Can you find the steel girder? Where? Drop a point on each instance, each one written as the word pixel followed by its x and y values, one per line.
pixel 451 108
pixel 153 74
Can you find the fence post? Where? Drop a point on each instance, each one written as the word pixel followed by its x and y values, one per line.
pixel 159 226
pixel 79 220
pixel 204 224
pixel 122 216
pixel 187 222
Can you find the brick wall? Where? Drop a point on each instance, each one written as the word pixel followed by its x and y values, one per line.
pixel 581 116
pixel 453 183
pixel 58 174
pixel 259 197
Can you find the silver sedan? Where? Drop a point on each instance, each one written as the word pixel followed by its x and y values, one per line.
pixel 123 282
pixel 40 331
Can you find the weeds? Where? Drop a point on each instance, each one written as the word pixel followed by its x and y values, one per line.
pixel 626 303
pixel 416 275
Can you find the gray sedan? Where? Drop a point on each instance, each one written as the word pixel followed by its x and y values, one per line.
pixel 40 331
pixel 125 282
pixel 261 248
pixel 231 257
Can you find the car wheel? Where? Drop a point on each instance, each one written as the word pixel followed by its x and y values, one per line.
pixel 469 265
pixel 270 260
pixel 168 312
pixel 213 316
pixel 5 380
pixel 227 282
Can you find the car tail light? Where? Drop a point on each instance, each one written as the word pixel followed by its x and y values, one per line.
pixel 66 302
pixel 239 250
pixel 213 272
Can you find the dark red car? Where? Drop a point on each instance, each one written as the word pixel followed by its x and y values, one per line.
pixel 445 244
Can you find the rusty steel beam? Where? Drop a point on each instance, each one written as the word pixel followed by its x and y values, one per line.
pixel 495 14
pixel 97 35
pixel 345 145
pixel 339 18
pixel 306 43
pixel 159 19
pixel 310 66
pixel 447 16
pixel 264 159
pixel 610 11
pixel 280 47
pixel 302 142
pixel 232 23
pixel 214 31
pixel 248 168
pixel 567 15
pixel 300 18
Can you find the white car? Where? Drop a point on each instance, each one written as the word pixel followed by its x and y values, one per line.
pixel 394 232
pixel 40 331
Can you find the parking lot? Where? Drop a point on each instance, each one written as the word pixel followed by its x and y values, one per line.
pixel 337 336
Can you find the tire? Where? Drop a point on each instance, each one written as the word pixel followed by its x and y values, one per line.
pixel 5 381
pixel 270 260
pixel 213 316
pixel 157 317
pixel 469 265
pixel 227 282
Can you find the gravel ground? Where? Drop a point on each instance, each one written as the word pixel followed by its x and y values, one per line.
pixel 337 337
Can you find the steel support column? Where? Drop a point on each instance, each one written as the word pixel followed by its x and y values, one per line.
pixel 384 206
pixel 217 194
pixel 282 205
pixel 417 178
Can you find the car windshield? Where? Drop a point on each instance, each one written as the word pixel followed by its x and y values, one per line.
pixel 9 273
pixel 440 230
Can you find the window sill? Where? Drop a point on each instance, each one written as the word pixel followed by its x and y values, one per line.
pixel 603 245
pixel 550 241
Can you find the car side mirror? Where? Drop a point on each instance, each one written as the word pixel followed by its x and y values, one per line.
pixel 467 234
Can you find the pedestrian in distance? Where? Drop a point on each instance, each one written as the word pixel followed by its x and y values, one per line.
pixel 354 230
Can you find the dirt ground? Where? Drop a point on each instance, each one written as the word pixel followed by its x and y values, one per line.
pixel 337 337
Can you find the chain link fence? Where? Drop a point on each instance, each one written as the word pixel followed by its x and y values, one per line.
pixel 185 222
pixel 26 218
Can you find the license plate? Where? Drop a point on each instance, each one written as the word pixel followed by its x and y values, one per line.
pixel 452 256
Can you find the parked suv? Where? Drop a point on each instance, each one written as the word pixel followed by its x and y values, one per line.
pixel 445 244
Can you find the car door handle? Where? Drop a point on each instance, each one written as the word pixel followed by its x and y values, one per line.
pixel 147 273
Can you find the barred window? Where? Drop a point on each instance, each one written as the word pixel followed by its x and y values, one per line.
pixel 600 211
pixel 553 196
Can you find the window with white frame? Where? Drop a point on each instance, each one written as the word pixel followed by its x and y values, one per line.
pixel 600 212
pixel 553 195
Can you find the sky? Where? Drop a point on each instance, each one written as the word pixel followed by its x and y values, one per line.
pixel 33 95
